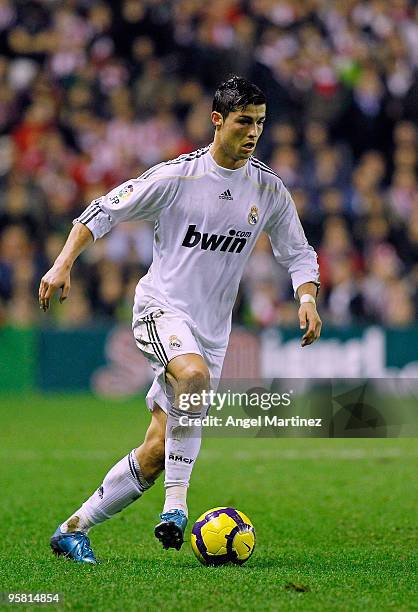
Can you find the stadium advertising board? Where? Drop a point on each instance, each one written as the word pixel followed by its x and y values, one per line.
pixel 106 360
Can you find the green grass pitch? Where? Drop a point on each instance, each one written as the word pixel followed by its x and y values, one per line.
pixel 334 518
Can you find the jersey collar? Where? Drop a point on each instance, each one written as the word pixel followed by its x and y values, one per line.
pixel 226 172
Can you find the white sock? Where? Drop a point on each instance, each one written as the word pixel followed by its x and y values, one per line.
pixel 182 445
pixel 122 485
pixel 175 497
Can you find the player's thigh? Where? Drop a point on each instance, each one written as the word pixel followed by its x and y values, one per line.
pixel 169 344
pixel 162 336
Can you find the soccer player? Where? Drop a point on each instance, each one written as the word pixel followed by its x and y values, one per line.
pixel 209 208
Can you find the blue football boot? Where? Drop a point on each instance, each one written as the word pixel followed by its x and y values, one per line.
pixel 73 545
pixel 170 531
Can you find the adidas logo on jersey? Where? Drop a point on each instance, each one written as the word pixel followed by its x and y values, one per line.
pixel 234 243
pixel 226 195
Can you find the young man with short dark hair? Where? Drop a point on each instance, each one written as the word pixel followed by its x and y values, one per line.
pixel 209 208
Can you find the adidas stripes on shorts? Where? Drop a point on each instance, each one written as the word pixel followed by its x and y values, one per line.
pixel 162 335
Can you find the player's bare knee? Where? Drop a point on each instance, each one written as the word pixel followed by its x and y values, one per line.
pixel 193 380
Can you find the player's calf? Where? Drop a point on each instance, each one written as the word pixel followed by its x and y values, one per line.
pixel 150 456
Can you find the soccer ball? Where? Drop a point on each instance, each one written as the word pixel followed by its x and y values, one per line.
pixel 223 535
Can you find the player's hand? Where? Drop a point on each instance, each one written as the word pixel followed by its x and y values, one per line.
pixel 56 278
pixel 310 321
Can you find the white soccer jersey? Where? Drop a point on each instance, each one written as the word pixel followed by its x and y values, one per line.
pixel 207 221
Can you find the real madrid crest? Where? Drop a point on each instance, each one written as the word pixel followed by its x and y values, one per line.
pixel 253 215
pixel 174 343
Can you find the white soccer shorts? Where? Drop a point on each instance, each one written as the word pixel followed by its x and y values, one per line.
pixel 162 335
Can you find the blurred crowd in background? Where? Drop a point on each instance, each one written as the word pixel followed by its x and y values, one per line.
pixel 93 93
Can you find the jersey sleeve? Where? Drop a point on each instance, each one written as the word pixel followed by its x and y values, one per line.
pixel 290 247
pixel 141 198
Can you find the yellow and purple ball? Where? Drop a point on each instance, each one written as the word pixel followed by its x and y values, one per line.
pixel 223 535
